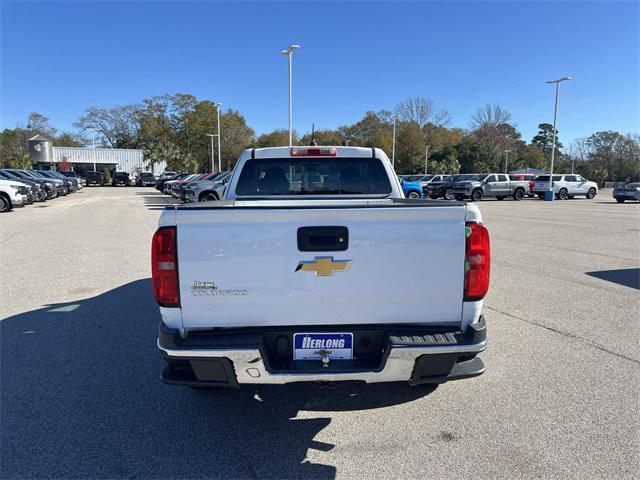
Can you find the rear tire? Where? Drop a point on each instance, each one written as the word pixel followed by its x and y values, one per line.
pixel 448 194
pixel 476 195
pixel 518 194
pixel 563 194
pixel 208 197
pixel 591 193
pixel 413 194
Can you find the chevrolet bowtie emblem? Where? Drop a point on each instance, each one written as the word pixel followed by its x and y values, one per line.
pixel 323 266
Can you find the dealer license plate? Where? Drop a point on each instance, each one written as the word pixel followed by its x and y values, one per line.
pixel 313 346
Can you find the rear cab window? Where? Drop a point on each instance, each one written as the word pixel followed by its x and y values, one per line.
pixel 313 176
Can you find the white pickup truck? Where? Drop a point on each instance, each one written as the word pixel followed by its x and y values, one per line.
pixel 315 268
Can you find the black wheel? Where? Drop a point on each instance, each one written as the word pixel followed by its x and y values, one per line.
pixel 591 193
pixel 620 200
pixel 500 198
pixel 208 197
pixel 476 195
pixel 518 194
pixel 413 194
pixel 448 194
pixel 563 194
pixel 5 204
pixel 460 198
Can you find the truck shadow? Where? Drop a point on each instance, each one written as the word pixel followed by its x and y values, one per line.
pixel 81 398
pixel 155 200
pixel 627 277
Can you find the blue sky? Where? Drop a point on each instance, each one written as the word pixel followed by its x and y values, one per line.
pixel 60 57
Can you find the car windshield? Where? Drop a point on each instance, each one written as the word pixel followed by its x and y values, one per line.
pixel 146 175
pixel 313 176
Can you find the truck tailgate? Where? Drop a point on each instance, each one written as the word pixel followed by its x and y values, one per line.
pixel 240 266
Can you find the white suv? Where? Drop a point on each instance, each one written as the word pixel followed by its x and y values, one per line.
pixel 565 186
pixel 11 194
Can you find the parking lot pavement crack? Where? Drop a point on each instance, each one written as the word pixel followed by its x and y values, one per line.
pixel 566 334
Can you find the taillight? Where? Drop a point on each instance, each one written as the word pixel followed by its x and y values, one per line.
pixel 477 262
pixel 313 152
pixel 164 267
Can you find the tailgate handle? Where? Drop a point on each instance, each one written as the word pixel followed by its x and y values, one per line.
pixel 323 239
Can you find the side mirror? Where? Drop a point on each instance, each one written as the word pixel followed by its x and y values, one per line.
pixel 401 182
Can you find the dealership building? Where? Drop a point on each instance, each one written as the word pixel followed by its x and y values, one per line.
pixel 45 155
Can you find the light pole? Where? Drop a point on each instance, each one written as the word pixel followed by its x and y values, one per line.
pixel 289 53
pixel 213 162
pixel 426 159
pixel 549 196
pixel 218 105
pixel 506 160
pixel 93 141
pixel 393 146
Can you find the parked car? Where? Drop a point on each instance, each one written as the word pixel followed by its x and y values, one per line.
pixel 73 175
pixel 72 184
pixel 295 277
pixel 146 179
pixel 525 177
pixel 11 194
pixel 94 178
pixel 38 191
pixel 444 186
pixel 411 189
pixel 483 185
pixel 120 179
pixel 628 191
pixel 177 188
pixel 168 184
pixel 63 186
pixel 56 186
pixel 207 190
pixel 565 186
pixel 164 177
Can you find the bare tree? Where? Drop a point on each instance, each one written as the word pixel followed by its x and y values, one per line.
pixel 422 110
pixel 489 116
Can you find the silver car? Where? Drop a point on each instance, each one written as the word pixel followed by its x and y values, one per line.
pixel 628 191
pixel 207 190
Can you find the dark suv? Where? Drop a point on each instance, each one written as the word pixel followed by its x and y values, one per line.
pixel 120 178
pixel 146 179
pixel 94 178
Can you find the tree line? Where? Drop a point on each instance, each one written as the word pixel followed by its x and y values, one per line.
pixel 174 128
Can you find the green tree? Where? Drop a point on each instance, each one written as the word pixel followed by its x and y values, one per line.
pixel 410 148
pixel 236 136
pixel 323 137
pixel 276 138
pixel 475 156
pixel 544 141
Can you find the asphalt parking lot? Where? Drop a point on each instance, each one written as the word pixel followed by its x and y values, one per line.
pixel 81 397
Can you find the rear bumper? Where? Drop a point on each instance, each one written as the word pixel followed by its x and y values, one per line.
pixel 249 356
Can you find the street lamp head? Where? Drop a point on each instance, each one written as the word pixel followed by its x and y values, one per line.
pixel 290 49
pixel 559 80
